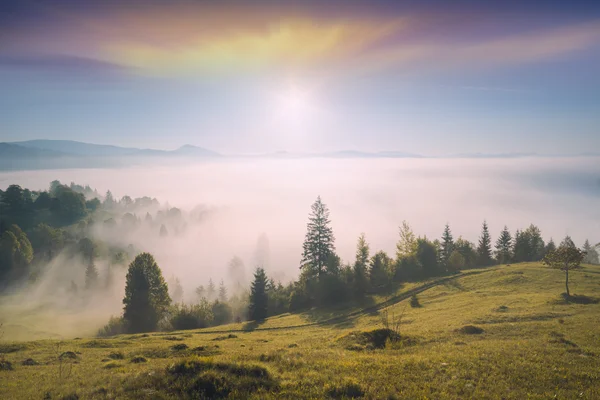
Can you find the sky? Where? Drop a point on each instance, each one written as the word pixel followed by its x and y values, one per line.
pixel 422 77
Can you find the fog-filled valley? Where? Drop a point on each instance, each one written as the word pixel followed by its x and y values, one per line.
pixel 257 210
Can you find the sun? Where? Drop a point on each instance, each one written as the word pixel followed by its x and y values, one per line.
pixel 294 103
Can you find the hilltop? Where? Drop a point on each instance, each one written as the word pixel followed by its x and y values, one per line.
pixel 501 332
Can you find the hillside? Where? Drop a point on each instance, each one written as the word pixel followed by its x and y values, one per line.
pixel 532 345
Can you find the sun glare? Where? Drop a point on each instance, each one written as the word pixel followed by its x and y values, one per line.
pixel 294 103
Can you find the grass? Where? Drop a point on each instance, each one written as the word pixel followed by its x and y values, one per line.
pixel 533 345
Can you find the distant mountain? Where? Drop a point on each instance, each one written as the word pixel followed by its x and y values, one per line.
pixel 77 148
pixel 194 151
pixel 363 154
pixel 73 148
pixel 11 150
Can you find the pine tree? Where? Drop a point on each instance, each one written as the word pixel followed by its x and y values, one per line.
pixel 591 255
pixel 522 247
pixel 567 242
pixel 163 231
pixel 536 243
pixel 257 308
pixel 447 246
pixel 222 292
pixel 319 241
pixel 484 250
pixel 503 247
pixel 550 247
pixel 379 272
pixel 361 264
pixel 211 292
pixel 175 290
pixel 201 292
pixel 91 276
pixel 407 243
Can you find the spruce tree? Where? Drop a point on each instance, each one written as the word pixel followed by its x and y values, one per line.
pixel 201 292
pixel 361 264
pixel 484 250
pixel 447 246
pixel 91 276
pixel 257 308
pixel 503 247
pixel 379 272
pixel 211 291
pixel 222 292
pixel 550 247
pixel 536 243
pixel 567 242
pixel 522 247
pixel 591 255
pixel 319 241
pixel 146 294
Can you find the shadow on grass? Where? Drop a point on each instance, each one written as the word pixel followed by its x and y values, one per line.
pixel 252 325
pixel 338 317
pixel 579 299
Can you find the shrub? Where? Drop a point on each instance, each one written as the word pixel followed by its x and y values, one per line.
pixel 471 330
pixel 222 313
pixel 115 326
pixel 196 316
pixel 414 301
pixel 347 390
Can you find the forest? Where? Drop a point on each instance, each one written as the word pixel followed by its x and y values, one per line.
pixel 68 221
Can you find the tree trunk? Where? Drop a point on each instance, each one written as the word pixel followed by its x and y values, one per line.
pixel 567 282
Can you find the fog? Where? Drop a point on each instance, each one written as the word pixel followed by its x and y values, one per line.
pixel 257 209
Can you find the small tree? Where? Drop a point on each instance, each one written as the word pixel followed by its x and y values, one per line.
pixel 503 246
pixel 456 261
pixel 222 292
pixel 591 255
pixel 379 273
pixel 565 258
pixel 484 250
pixel 446 246
pixel 257 307
pixel 146 294
pixel 211 291
pixel 407 243
pixel 318 243
pixel 91 276
pixel 361 280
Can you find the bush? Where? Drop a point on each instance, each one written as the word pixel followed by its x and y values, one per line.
pixel 115 326
pixel 346 390
pixel 414 301
pixel 222 313
pixel 471 330
pixel 196 316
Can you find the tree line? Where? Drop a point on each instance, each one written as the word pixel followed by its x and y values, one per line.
pixel 325 280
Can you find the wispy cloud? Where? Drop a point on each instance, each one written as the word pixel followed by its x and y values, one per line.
pixel 198 39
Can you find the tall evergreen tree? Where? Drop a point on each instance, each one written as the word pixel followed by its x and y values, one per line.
pixel 521 247
pixel 484 250
pixel 211 291
pixel 201 292
pixel 379 273
pixel 536 243
pixel 91 276
pixel 259 300
pixel 319 241
pixel 591 255
pixel 503 247
pixel 447 246
pixel 361 265
pixel 222 292
pixel 146 294
pixel 567 242
pixel 550 247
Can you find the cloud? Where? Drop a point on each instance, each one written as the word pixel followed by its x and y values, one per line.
pixel 196 39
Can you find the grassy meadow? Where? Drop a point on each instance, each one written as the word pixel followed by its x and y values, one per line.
pixel 498 333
